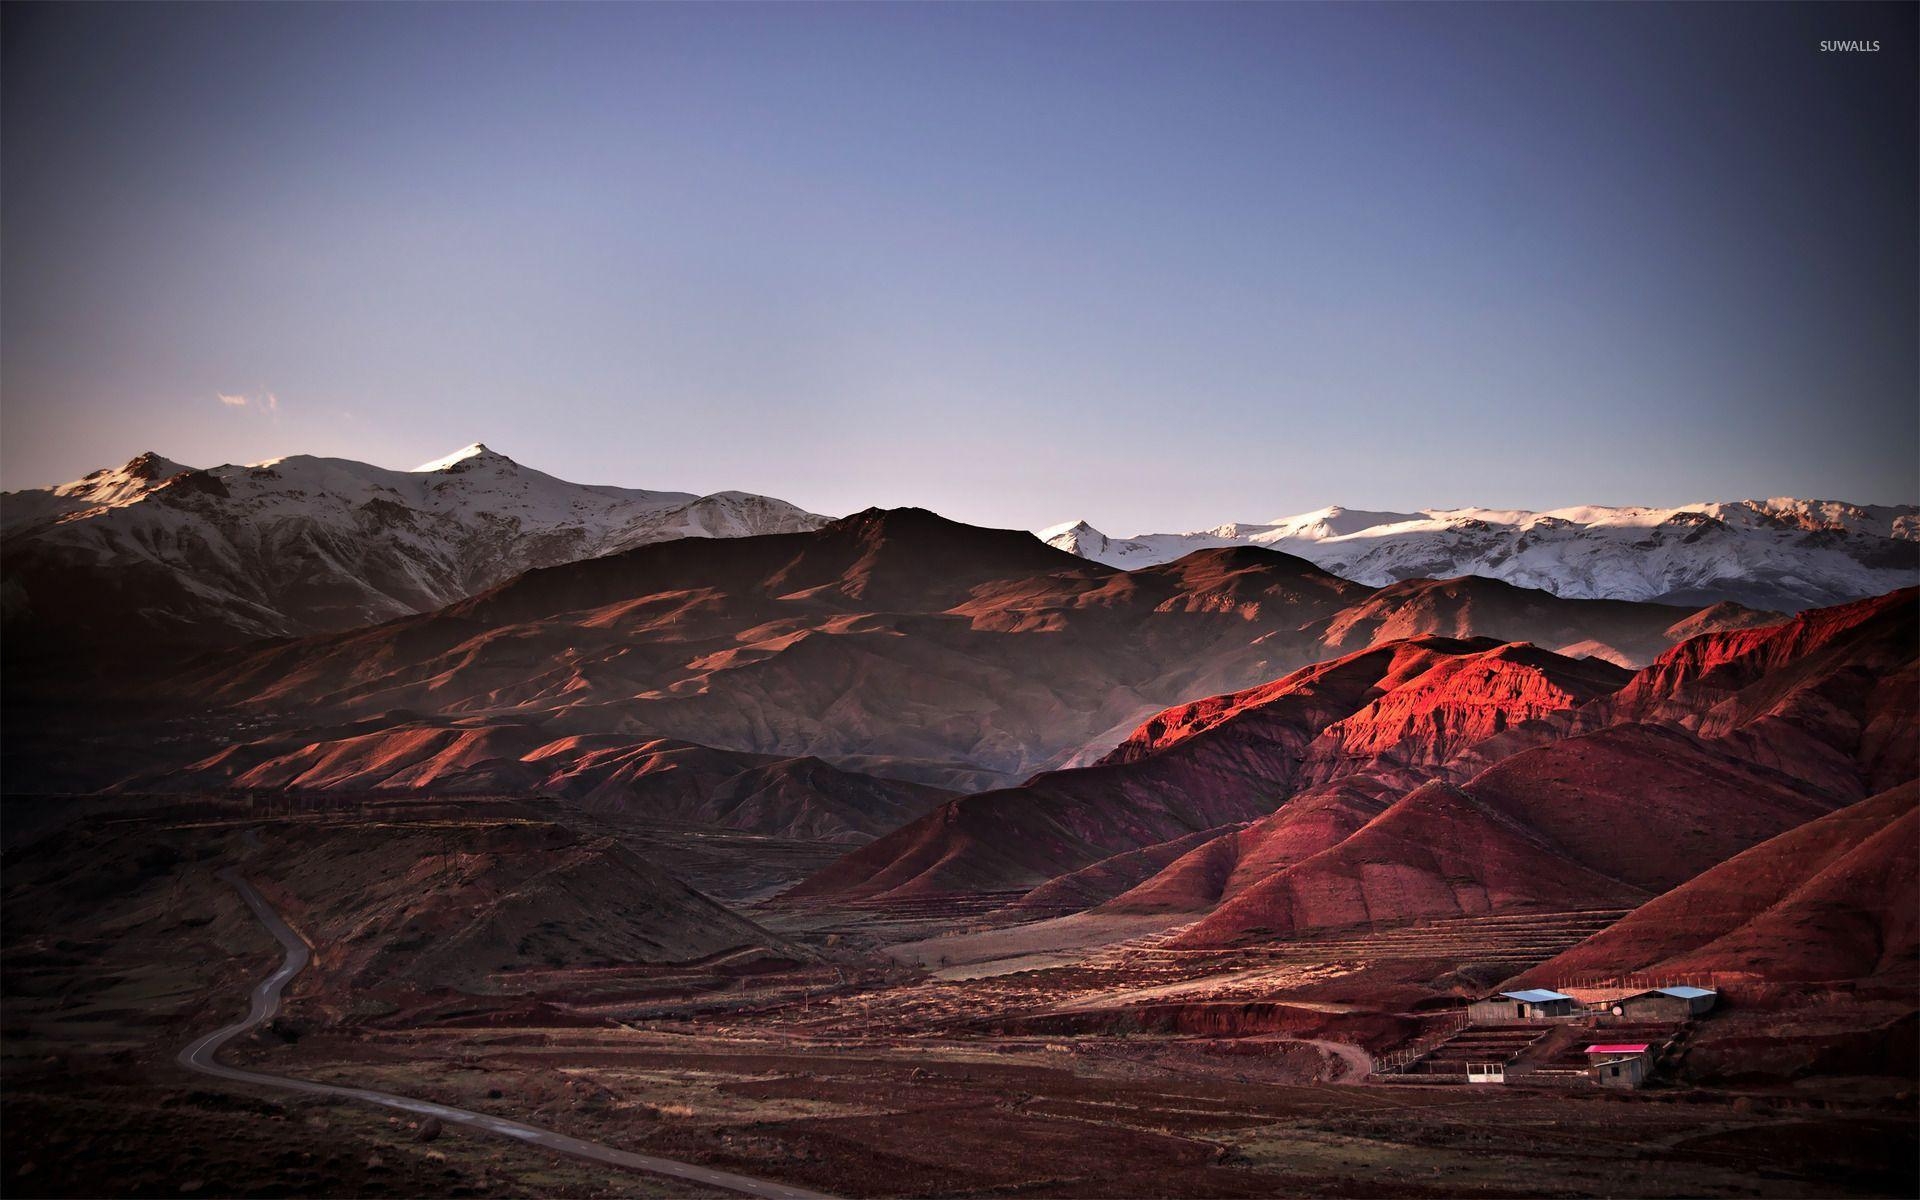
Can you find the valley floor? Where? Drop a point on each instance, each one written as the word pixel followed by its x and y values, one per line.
pixel 892 1057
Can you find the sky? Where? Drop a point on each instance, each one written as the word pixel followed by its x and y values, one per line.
pixel 1157 267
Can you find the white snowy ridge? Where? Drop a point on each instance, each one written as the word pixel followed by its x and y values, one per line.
pixel 302 544
pixel 1780 553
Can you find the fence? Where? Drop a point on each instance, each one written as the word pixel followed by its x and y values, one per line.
pixel 1450 1023
pixel 1638 981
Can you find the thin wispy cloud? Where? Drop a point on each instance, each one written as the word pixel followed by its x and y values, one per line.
pixel 265 402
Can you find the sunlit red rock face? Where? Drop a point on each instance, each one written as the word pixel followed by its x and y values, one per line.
pixel 1756 732
pixel 1458 702
pixel 1425 699
pixel 1435 778
pixel 1762 731
pixel 1834 899
pixel 1401 706
pixel 1719 663
pixel 894 643
pixel 1832 696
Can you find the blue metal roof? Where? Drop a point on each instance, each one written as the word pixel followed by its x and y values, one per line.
pixel 1536 996
pixel 1684 993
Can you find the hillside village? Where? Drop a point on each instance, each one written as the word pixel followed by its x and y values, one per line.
pixel 1588 1036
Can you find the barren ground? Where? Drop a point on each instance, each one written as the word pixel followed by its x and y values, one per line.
pixel 1107 1066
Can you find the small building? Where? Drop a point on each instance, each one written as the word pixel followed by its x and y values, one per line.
pixel 1533 1004
pixel 1665 1004
pixel 1619 1064
pixel 1618 1050
pixel 1629 1071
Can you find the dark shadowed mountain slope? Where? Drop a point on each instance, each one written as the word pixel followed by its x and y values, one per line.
pixel 1115 875
pixel 656 779
pixel 1618 630
pixel 475 895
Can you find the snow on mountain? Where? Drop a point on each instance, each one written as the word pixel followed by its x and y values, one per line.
pixel 447 461
pixel 107 487
pixel 303 544
pixel 1781 553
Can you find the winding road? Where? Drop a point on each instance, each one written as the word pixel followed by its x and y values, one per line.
pixel 202 1056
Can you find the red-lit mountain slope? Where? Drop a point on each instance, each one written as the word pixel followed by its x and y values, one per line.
pixel 1646 798
pixel 1756 732
pixel 1834 899
pixel 1831 696
pixel 1603 820
pixel 1401 706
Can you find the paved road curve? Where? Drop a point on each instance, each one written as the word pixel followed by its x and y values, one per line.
pixel 201 1056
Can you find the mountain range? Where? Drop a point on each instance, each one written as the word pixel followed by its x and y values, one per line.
pixel 892 642
pixel 1433 778
pixel 1782 553
pixel 155 552
pixel 155 557
pixel 1229 747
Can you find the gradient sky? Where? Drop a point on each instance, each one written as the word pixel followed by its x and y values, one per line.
pixel 1157 267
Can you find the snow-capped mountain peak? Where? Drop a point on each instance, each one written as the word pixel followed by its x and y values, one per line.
pixel 1333 521
pixel 303 543
pixel 477 450
pixel 1780 553
pixel 115 485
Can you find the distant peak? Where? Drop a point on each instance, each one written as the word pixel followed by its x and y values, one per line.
pixel 924 528
pixel 894 519
pixel 477 452
pixel 1078 529
pixel 1339 520
pixel 150 465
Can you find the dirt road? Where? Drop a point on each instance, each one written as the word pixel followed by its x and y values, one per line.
pixel 265 1001
pixel 1359 1062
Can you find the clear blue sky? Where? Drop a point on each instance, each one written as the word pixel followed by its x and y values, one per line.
pixel 1152 266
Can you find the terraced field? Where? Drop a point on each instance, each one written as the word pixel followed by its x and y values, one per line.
pixel 1038 978
pixel 1510 939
